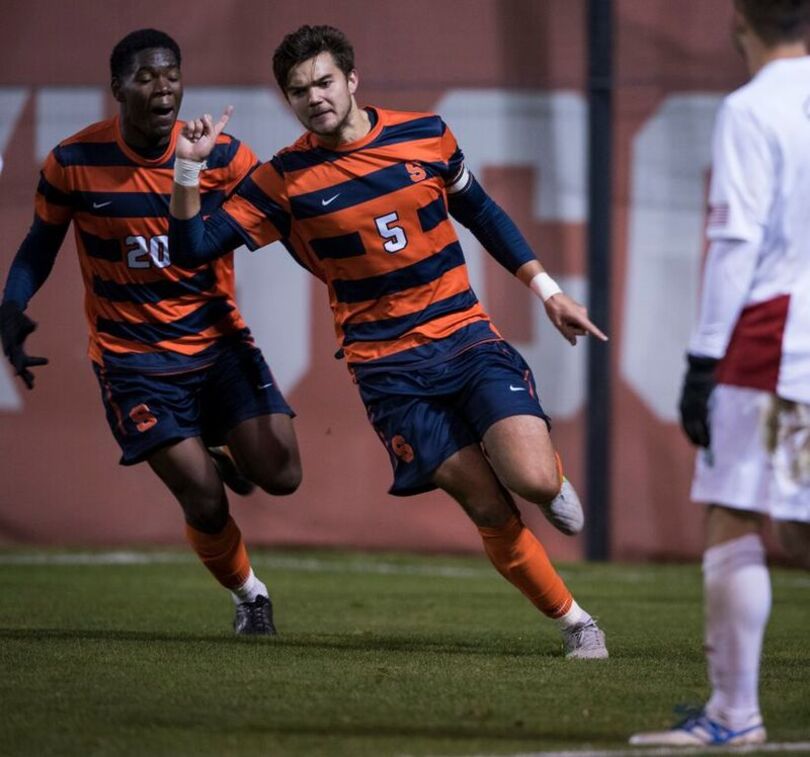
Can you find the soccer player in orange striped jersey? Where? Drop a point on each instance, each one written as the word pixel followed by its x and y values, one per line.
pixel 174 359
pixel 363 201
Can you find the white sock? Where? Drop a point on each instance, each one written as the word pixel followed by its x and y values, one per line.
pixel 575 616
pixel 249 590
pixel 737 603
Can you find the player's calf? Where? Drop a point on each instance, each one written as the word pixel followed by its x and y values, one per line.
pixel 205 511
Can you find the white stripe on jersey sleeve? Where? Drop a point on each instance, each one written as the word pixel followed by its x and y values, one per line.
pixel 461 182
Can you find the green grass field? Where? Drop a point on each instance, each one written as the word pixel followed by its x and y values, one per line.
pixel 377 655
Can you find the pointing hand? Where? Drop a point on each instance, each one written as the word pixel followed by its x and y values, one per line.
pixel 198 137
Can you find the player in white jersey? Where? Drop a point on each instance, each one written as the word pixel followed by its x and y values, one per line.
pixel 746 394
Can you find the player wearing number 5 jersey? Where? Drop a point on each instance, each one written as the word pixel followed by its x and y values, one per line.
pixel 362 200
pixel 174 359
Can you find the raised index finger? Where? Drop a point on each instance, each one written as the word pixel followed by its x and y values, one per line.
pixel 223 120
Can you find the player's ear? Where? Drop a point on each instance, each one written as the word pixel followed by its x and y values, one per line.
pixel 353 81
pixel 115 88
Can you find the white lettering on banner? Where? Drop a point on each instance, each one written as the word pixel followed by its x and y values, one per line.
pixel 12 102
pixel 547 132
pixel 62 111
pixel 273 291
pixel 671 154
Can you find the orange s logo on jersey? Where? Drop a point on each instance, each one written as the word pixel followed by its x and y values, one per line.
pixel 416 172
pixel 402 449
pixel 142 417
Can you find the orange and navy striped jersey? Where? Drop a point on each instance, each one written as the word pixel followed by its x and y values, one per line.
pixel 144 313
pixel 370 219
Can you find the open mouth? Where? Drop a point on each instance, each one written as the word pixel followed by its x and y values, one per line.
pixel 163 111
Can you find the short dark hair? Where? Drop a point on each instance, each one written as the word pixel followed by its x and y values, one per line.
pixel 133 43
pixel 776 21
pixel 307 42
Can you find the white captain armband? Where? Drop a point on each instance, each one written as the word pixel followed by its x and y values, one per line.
pixel 460 183
pixel 544 286
pixel 187 172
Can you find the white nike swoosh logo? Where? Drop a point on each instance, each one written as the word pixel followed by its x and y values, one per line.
pixel 330 200
pixel 264 386
pixel 517 388
pixel 97 205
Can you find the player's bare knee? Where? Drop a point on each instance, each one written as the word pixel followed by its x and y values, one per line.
pixel 206 514
pixel 208 522
pixel 487 510
pixel 281 480
pixel 539 488
pixel 204 508
pixel 489 516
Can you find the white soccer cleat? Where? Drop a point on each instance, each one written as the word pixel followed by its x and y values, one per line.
pixel 698 729
pixel 585 642
pixel 564 512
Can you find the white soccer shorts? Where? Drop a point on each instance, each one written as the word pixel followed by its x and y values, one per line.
pixel 738 471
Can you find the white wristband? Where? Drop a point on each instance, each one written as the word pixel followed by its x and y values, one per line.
pixel 187 172
pixel 544 286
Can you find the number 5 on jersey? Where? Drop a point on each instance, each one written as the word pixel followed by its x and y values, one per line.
pixel 394 234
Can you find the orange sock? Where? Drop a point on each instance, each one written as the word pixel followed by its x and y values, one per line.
pixel 224 554
pixel 521 560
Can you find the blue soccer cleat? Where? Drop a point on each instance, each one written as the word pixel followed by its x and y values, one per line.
pixel 698 729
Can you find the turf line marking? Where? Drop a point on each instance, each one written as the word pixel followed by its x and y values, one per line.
pixel 305 565
pixel 800 746
pixel 93 558
pixel 318 565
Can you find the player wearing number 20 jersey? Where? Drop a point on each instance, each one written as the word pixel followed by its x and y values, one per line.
pixel 177 367
pixel 144 314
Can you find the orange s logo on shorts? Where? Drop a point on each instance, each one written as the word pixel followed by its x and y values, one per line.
pixel 402 449
pixel 142 417
pixel 416 172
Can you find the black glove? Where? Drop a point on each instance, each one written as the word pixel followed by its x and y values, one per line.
pixel 15 326
pixel 698 384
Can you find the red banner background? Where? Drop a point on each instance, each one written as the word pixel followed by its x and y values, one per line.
pixel 58 462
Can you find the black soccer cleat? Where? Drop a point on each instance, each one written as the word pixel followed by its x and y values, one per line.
pixel 254 618
pixel 229 473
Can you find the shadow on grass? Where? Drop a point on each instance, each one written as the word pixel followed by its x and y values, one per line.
pixel 350 643
pixel 476 729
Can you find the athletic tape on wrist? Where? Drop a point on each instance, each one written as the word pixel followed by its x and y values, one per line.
pixel 544 286
pixel 187 172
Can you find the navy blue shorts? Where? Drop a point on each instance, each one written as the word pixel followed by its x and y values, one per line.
pixel 425 415
pixel 146 411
